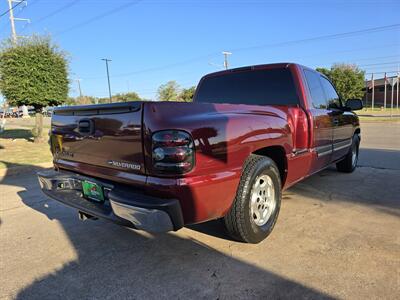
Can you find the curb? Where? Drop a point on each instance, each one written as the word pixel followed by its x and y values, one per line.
pixel 24 169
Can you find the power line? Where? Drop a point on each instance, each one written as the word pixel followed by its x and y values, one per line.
pixel 21 10
pixel 100 16
pixel 185 62
pixel 382 72
pixel 185 73
pixel 13 19
pixel 385 46
pixel 11 8
pixel 380 57
pixel 323 37
pixel 57 11
pixel 280 44
pixel 190 72
pixel 380 64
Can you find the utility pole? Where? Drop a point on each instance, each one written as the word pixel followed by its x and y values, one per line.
pixel 79 86
pixel 391 107
pixel 397 91
pixel 13 32
pixel 13 19
pixel 366 94
pixel 226 53
pixel 373 91
pixel 397 86
pixel 384 97
pixel 108 77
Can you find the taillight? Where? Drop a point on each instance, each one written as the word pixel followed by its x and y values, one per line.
pixel 172 152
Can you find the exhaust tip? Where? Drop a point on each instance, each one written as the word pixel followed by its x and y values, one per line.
pixel 84 216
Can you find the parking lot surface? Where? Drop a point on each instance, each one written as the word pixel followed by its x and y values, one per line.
pixel 337 236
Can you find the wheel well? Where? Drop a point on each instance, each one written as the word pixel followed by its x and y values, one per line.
pixel 278 155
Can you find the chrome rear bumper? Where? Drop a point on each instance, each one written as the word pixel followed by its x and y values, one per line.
pixel 153 220
pixel 123 205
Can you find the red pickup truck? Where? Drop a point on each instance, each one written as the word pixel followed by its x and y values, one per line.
pixel 249 133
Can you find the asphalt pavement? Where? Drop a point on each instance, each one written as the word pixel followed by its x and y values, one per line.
pixel 337 236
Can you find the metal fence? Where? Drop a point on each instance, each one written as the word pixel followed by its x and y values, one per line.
pixel 382 93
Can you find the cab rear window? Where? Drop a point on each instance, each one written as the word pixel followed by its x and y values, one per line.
pixel 257 87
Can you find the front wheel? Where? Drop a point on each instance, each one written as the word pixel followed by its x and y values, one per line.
pixel 257 203
pixel 349 162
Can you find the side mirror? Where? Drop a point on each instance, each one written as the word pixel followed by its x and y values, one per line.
pixel 353 104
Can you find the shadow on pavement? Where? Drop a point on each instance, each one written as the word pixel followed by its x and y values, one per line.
pixel 380 158
pixel 116 262
pixel 17 134
pixel 374 183
pixel 215 228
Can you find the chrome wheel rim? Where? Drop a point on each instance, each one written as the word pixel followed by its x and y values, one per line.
pixel 354 156
pixel 262 201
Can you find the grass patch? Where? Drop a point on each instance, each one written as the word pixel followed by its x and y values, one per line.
pixel 17 148
pixel 378 112
pixel 26 122
pixel 379 119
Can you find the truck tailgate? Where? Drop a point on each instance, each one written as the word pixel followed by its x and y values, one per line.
pixel 103 135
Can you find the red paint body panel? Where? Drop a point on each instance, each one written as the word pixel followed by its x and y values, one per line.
pixel 224 136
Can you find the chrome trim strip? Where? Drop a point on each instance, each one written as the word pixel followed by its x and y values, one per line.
pixel 300 151
pixel 328 149
pixel 323 150
pixel 342 145
pixel 324 147
pixel 324 153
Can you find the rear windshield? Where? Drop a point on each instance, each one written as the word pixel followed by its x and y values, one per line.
pixel 260 87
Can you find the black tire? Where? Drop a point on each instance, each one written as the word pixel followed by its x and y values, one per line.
pixel 239 222
pixel 349 162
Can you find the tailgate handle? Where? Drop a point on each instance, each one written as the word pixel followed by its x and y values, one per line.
pixel 85 126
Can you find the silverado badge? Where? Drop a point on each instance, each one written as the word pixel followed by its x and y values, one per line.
pixel 124 165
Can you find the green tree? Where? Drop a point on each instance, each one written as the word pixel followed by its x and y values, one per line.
pixel 347 78
pixel 124 97
pixel 33 72
pixel 104 100
pixel 69 101
pixel 186 95
pixel 85 100
pixel 131 96
pixel 168 91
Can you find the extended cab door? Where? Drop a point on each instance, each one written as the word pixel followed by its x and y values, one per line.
pixel 342 121
pixel 322 137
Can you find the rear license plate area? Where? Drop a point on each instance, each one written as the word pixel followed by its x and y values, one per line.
pixel 93 191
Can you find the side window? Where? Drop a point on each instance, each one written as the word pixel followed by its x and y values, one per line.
pixel 316 91
pixel 333 98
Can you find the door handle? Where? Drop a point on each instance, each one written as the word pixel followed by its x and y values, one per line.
pixel 336 122
pixel 85 127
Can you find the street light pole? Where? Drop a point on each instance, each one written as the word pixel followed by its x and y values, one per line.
pixel 226 53
pixel 13 32
pixel 108 77
pixel 79 87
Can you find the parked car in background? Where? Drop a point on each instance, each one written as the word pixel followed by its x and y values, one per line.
pixel 31 111
pixel 249 133
pixel 48 111
pixel 11 112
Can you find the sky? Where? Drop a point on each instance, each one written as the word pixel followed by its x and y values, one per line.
pixel 152 41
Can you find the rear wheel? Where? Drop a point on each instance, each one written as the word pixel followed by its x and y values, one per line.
pixel 349 162
pixel 256 206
